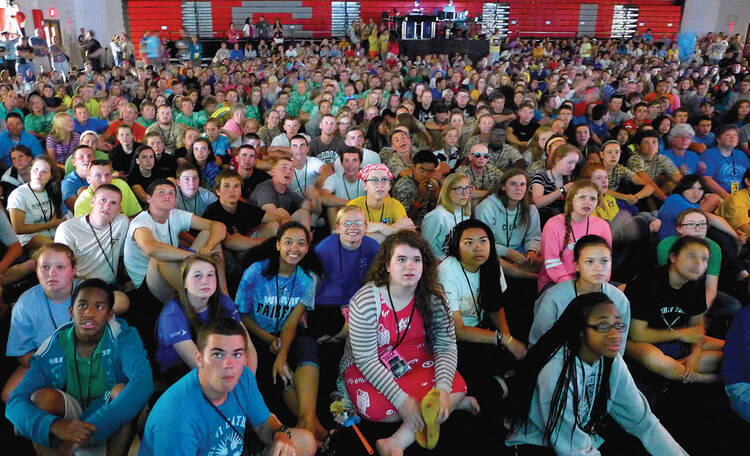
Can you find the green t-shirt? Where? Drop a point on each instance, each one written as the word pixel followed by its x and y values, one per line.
pixel 145 123
pixel 69 166
pixel 196 120
pixel 86 379
pixel 714 263
pixel 39 124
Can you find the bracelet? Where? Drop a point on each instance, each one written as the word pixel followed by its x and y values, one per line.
pixel 284 430
pixel 510 339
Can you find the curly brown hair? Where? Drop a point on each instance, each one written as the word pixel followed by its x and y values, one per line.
pixel 429 292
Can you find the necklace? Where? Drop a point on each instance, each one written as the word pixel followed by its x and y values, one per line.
pixel 368 211
pixel 111 244
pixel 278 298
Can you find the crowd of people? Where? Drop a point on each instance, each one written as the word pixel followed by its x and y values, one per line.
pixel 541 240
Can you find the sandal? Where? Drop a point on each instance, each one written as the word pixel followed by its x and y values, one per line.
pixel 430 410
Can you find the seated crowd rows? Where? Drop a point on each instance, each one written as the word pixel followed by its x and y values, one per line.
pixel 514 238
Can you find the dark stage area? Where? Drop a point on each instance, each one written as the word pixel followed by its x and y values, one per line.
pixel 476 49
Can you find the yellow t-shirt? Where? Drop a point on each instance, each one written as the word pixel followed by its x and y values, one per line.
pixel 607 209
pixel 391 212
pixel 735 208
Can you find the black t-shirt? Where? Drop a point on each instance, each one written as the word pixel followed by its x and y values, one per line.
pixel 136 178
pixel 244 221
pixel 167 165
pixel 468 111
pixel 653 300
pixel 422 114
pixel 326 152
pixel 121 161
pixel 523 132
pixel 249 184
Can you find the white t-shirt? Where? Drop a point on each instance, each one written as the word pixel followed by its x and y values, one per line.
pixel 457 289
pixel 136 262
pixel 281 140
pixel 97 251
pixel 306 176
pixel 369 157
pixel 37 207
pixel 341 188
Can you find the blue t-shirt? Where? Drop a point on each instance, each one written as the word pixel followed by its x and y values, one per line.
pixel 98 125
pixel 270 305
pixel 6 144
pixel 183 422
pixel 221 145
pixel 672 207
pixel 70 186
pixel 725 170
pixel 174 327
pixel 345 269
pixel 709 140
pixel 690 160
pixel 33 319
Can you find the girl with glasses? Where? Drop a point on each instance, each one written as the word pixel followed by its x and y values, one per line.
pixel 453 207
pixel 572 378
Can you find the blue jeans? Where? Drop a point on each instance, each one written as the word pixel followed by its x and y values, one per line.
pixel 739 398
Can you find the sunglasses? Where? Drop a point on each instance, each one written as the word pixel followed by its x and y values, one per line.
pixel 479 154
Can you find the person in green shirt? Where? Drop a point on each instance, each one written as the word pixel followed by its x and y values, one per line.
pixel 148 114
pixel 694 222
pixel 297 99
pixel 190 118
pixel 100 173
pixel 39 121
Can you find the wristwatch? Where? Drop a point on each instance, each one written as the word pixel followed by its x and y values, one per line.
pixel 562 191
pixel 284 429
pixel 499 337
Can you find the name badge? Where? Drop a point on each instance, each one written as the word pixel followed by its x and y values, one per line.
pixel 735 187
pixel 394 362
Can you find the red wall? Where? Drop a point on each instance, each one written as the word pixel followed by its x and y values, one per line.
pixel 530 15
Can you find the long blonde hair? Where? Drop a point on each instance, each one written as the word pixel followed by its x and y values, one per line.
pixel 58 127
pixel 444 198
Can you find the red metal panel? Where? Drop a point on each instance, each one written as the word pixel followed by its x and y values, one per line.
pixel 531 16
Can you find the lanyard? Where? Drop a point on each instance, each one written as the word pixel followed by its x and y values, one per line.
pixel 346 189
pixel 40 205
pixel 399 337
pixel 341 263
pixel 575 288
pixel 731 154
pixel 111 244
pixel 278 298
pixel 473 178
pixel 572 232
pixel 301 188
pixel 473 298
pixel 216 409
pixel 368 211
pixel 84 399
pixel 49 310
pixel 509 228
pixel 455 222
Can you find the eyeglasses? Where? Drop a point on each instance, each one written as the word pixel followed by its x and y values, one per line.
pixel 462 190
pixel 479 154
pixel 604 328
pixel 378 180
pixel 693 226
pixel 349 223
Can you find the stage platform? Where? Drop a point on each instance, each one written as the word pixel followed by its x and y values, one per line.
pixel 476 49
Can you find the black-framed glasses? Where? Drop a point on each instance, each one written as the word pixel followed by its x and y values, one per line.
pixel 604 328
pixel 462 190
pixel 378 180
pixel 693 226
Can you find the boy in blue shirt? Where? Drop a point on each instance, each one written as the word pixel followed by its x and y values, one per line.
pixel 725 164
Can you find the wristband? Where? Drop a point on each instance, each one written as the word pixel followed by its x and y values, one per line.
pixel 417 204
pixel 284 430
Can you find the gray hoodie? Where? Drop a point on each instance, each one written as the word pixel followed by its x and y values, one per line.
pixel 522 238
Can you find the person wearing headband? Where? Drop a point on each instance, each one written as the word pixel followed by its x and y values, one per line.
pixel 385 215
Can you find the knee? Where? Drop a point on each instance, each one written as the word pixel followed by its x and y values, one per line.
pixel 49 400
pixel 116 390
pixel 304 442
